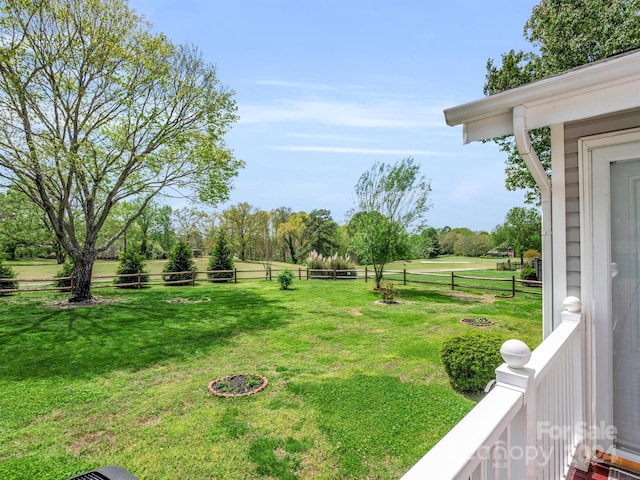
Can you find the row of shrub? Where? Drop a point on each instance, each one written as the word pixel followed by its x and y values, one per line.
pixel 320 266
pixel 131 270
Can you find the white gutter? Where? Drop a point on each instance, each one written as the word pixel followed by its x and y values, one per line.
pixel 532 161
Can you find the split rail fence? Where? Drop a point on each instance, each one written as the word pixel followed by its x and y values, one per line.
pixel 507 287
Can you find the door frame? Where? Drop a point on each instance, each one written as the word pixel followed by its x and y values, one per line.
pixel 598 332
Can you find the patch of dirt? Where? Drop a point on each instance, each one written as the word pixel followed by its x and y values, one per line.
pixel 487 298
pixel 477 321
pixel 80 446
pixel 239 385
pixel 382 302
pixel 187 300
pixel 94 302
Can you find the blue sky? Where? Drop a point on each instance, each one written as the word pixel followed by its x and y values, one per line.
pixel 326 89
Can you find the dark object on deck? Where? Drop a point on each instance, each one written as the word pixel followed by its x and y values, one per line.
pixel 106 473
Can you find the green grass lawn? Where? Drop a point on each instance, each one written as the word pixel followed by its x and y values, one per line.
pixel 357 389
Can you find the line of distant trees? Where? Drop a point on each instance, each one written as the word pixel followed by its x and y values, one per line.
pixel 254 234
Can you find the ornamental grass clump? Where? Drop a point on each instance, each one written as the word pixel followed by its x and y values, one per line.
pixel 321 266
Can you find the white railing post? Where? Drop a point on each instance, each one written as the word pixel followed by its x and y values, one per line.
pixel 573 314
pixel 521 459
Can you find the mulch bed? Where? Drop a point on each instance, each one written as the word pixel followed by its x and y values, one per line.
pixel 238 385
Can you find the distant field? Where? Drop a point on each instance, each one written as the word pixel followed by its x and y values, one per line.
pixel 446 264
pixel 45 269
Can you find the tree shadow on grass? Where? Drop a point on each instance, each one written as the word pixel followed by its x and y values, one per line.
pixel 423 294
pixel 143 329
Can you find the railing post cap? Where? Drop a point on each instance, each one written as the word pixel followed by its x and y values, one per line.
pixel 572 304
pixel 515 353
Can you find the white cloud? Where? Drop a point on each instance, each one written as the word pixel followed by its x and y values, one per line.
pixel 327 136
pixel 358 151
pixel 296 85
pixel 345 114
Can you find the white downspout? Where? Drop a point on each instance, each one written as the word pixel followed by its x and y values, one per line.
pixel 532 161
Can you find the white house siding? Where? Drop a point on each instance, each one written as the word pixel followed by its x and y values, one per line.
pixel 572 132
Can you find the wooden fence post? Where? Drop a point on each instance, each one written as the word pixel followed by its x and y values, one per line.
pixel 307 273
pixel 334 273
pixel 366 274
pixel 235 275
pixel 270 278
pixel 299 273
pixel 513 285
pixel 453 281
pixel 139 280
pixel 404 276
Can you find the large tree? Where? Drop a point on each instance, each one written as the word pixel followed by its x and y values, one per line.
pixel 96 109
pixel 243 222
pixel 277 217
pixel 292 233
pixel 391 200
pixel 320 233
pixel 521 230
pixel 565 34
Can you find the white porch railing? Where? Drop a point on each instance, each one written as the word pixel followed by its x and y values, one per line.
pixel 530 425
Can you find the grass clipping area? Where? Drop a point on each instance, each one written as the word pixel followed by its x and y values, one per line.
pixel 356 389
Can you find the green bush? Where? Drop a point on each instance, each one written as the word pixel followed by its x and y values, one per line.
pixel 528 273
pixel 221 259
pixel 7 272
pixel 388 291
pixel 471 359
pixel 285 277
pixel 131 262
pixel 68 270
pixel 180 260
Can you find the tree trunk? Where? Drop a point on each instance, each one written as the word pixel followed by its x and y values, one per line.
pixel 60 254
pixel 378 273
pixel 83 263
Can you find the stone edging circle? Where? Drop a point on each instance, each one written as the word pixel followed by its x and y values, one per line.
pixel 212 390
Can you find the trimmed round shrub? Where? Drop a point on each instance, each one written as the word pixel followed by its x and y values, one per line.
pixel 471 359
pixel 131 262
pixel 7 272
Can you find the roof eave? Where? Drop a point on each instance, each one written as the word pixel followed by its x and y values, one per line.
pixel 595 89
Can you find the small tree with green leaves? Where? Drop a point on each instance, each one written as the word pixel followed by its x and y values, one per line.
pixel 390 201
pixel 180 267
pixel 221 259
pixel 131 262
